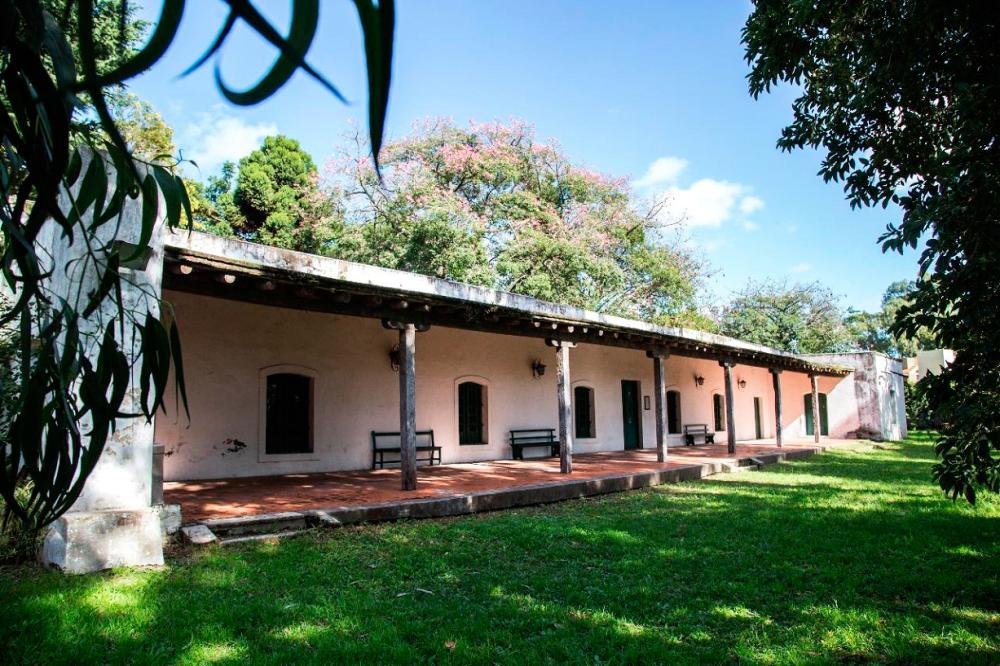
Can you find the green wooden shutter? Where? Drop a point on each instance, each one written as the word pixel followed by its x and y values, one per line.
pixel 809 413
pixel 720 412
pixel 824 421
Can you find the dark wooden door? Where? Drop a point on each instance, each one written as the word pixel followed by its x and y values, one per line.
pixel 758 429
pixel 470 413
pixel 631 426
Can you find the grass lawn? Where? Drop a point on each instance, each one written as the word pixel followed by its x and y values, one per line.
pixel 849 556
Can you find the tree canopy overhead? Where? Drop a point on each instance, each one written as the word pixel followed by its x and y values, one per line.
pixel 490 204
pixel 902 99
pixel 800 318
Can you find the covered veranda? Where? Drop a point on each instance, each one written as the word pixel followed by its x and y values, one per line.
pixel 525 481
pixel 410 304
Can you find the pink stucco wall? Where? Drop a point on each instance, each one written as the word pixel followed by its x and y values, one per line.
pixel 227 344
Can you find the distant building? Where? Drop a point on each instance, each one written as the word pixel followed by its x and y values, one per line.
pixel 929 361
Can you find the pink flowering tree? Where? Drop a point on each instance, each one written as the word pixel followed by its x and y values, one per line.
pixel 489 204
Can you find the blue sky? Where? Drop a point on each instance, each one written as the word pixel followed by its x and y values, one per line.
pixel 653 90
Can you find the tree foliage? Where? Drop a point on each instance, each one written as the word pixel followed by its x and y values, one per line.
pixel 275 198
pixel 489 204
pixel 798 318
pixel 873 331
pixel 62 71
pixel 902 98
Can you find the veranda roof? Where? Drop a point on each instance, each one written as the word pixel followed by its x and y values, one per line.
pixel 227 268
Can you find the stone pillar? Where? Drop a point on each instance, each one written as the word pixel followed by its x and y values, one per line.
pixel 776 379
pixel 727 367
pixel 565 404
pixel 813 381
pixel 114 522
pixel 407 406
pixel 660 391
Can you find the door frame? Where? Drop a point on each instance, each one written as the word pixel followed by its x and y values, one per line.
pixel 638 414
pixel 824 415
pixel 758 417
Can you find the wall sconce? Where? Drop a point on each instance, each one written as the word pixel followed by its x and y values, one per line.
pixel 742 383
pixel 537 369
pixel 394 358
pixel 699 380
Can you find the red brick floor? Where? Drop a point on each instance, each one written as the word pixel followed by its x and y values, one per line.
pixel 221 498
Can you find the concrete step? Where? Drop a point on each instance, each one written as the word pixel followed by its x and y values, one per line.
pixel 255 538
pixel 260 527
pixel 267 523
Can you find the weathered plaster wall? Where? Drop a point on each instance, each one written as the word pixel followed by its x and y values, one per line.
pixel 877 394
pixel 228 343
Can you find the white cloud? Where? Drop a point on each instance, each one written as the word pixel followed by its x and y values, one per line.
pixel 662 171
pixel 214 137
pixel 751 204
pixel 705 203
pixel 802 267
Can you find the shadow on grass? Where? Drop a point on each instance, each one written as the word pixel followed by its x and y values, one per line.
pixel 845 557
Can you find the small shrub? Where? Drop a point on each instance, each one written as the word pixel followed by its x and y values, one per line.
pixel 919 411
pixel 17 544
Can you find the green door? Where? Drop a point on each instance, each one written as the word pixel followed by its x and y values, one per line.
pixel 758 430
pixel 824 422
pixel 630 414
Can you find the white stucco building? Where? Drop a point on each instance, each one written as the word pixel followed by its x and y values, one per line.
pixel 292 361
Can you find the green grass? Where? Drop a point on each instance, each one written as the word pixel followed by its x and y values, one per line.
pixel 850 556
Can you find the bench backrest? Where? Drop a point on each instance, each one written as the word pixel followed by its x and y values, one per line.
pixel 391 440
pixel 532 435
pixel 695 428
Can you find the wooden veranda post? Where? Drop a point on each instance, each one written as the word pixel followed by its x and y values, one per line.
pixel 563 384
pixel 727 367
pixel 660 388
pixel 776 379
pixel 814 382
pixel 407 406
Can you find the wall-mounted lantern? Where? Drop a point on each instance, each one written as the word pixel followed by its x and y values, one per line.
pixel 742 383
pixel 699 380
pixel 394 358
pixel 537 369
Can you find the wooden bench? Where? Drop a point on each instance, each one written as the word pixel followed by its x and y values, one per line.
pixel 389 442
pixel 695 430
pixel 533 438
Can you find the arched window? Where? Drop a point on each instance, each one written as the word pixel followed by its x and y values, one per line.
pixel 287 410
pixel 472 413
pixel 583 410
pixel 719 405
pixel 673 412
